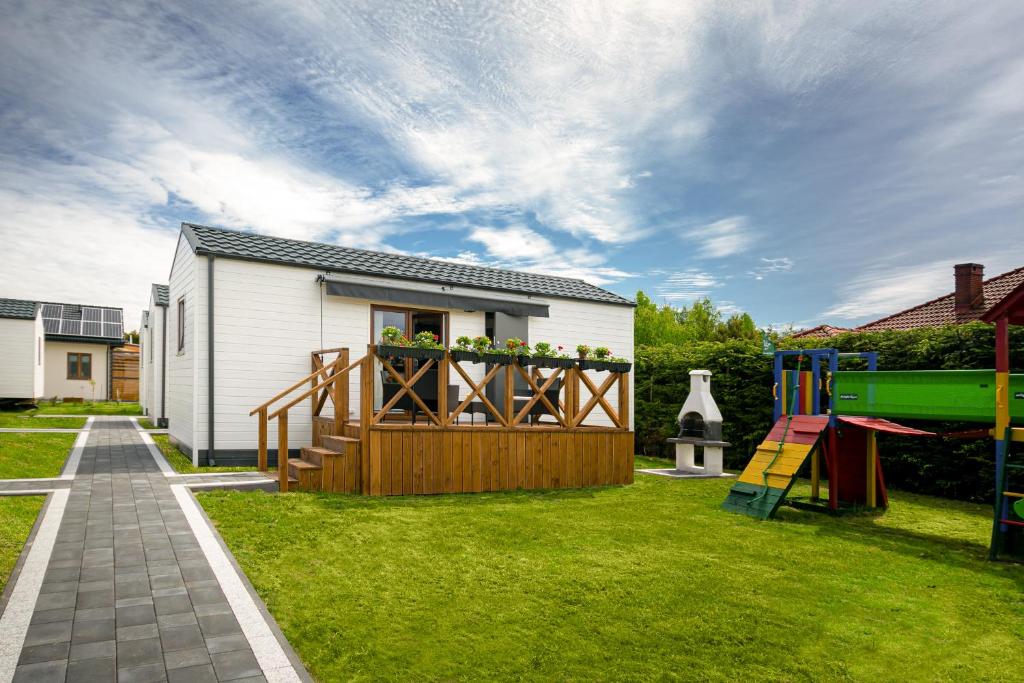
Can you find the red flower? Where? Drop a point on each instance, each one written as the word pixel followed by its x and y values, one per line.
pixel 559 347
pixel 436 337
pixel 522 343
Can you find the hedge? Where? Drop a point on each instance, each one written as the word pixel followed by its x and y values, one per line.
pixel 742 380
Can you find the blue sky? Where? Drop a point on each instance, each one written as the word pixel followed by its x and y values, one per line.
pixel 806 162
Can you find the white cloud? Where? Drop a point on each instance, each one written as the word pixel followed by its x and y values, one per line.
pixel 725 237
pixel 81 250
pixel 781 264
pixel 687 286
pixel 524 249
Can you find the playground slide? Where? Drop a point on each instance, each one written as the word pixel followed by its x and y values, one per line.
pixel 770 474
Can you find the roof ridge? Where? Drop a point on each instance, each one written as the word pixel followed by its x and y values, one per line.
pixel 936 299
pixel 66 303
pixel 374 251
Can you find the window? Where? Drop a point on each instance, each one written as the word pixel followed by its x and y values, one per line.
pixel 181 325
pixel 79 366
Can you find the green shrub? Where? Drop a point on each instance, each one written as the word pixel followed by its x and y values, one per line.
pixel 741 384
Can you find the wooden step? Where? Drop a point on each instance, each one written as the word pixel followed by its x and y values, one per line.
pixel 316 455
pixel 309 476
pixel 338 444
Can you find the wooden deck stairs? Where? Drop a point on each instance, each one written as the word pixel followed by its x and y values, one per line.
pixel 331 464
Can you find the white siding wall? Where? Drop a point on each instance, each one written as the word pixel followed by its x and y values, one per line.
pixel 18 354
pixel 144 367
pixel 595 324
pixel 156 386
pixel 151 356
pixel 38 356
pixel 181 384
pixel 472 325
pixel 56 366
pixel 267 322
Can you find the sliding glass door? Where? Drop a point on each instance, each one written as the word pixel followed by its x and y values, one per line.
pixel 410 322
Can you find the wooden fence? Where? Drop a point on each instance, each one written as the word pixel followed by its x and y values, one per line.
pixel 124 373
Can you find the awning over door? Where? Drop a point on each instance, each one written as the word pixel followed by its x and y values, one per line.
pixel 434 299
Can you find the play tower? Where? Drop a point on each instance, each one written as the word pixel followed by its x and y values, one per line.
pixel 832 416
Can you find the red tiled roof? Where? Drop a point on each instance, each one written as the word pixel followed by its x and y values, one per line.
pixel 820 332
pixel 941 311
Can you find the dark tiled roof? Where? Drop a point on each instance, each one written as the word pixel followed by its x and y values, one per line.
pixel 820 332
pixel 17 308
pixel 942 311
pixel 330 257
pixel 161 295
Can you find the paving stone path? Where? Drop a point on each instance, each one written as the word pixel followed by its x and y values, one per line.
pixel 124 579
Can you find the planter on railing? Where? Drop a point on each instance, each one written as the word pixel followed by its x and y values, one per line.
pixel 552 362
pixel 389 351
pixel 464 356
pixel 497 358
pixel 609 365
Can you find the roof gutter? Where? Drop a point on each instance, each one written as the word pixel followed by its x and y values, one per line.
pixel 163 368
pixel 210 405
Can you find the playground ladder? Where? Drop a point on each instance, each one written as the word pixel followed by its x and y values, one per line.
pixel 1008 511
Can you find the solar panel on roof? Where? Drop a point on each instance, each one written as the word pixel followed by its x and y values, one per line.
pixel 112 330
pixel 111 315
pixel 70 326
pixel 51 310
pixel 51 325
pixel 92 329
pixel 92 314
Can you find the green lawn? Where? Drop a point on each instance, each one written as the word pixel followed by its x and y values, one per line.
pixel 147 424
pixel 182 465
pixel 647 582
pixel 17 515
pixel 26 421
pixel 89 408
pixel 33 456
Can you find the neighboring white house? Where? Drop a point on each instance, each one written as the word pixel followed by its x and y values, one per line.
pixel 21 350
pixel 152 356
pixel 68 347
pixel 262 304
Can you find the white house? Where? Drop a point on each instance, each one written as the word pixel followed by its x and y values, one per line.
pixel 246 310
pixel 22 350
pixel 152 356
pixel 68 348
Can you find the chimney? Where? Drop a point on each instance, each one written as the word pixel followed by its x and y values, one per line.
pixel 970 295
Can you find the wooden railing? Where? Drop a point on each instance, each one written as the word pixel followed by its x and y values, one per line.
pixel 566 412
pixel 334 385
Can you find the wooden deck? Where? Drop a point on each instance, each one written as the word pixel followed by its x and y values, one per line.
pixel 374 455
pixel 407 460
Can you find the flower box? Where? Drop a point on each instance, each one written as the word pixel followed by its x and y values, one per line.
pixel 525 360
pixel 602 365
pixel 497 358
pixel 553 362
pixel 409 352
pixel 464 356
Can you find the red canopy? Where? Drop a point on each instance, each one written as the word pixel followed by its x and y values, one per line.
pixel 880 425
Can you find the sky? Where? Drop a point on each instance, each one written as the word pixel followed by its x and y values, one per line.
pixel 806 162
